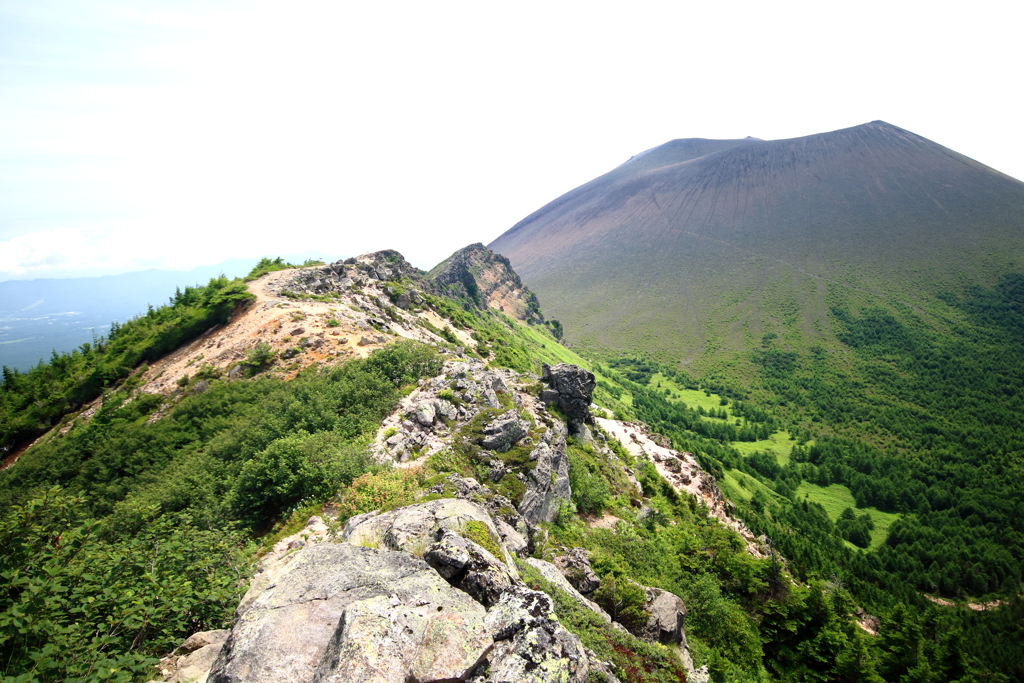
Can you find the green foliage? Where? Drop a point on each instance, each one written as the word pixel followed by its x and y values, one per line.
pixel 77 606
pixel 92 587
pixel 623 600
pixel 590 491
pixel 268 265
pixel 259 358
pixel 299 465
pixel 384 490
pixel 478 532
pixel 32 402
pixel 635 661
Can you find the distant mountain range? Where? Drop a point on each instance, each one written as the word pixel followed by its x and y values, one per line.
pixel 39 316
pixel 696 249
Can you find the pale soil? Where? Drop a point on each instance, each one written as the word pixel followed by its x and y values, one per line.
pixel 976 606
pixel 682 471
pixel 281 323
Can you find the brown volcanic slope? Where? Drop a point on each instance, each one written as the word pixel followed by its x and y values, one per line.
pixel 699 247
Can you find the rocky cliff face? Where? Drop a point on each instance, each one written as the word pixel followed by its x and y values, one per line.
pixel 478 275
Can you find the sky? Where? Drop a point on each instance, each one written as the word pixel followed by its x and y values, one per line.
pixel 137 134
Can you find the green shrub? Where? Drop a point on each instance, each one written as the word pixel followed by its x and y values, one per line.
pixel 478 532
pixel 77 607
pixel 590 493
pixel 382 491
pixel 295 467
pixel 259 358
pixel 405 362
pixel 623 600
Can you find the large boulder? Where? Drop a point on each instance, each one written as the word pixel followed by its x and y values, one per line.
pixel 531 646
pixel 551 573
pixel 504 432
pixel 571 388
pixel 470 568
pixel 574 564
pixel 666 617
pixel 417 527
pixel 338 612
pixel 547 484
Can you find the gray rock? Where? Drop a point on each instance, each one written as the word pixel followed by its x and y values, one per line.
pixel 667 617
pixel 449 556
pixel 575 388
pixel 490 398
pixel 513 541
pixel 504 432
pixel 470 568
pixel 497 471
pixel 575 567
pixel 337 612
pixel 531 646
pixel 701 675
pixel 446 409
pixel 425 414
pixel 416 527
pixel 555 576
pixel 547 484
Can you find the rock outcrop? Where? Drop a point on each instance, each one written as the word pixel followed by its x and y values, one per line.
pixel 461 406
pixel 484 279
pixel 369 608
pixel 571 389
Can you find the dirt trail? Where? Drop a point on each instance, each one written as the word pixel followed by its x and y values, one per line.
pixel 302 332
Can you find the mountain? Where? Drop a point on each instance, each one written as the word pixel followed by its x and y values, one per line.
pixel 696 249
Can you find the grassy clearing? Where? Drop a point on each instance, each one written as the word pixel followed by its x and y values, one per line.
pixel 693 398
pixel 740 485
pixel 836 498
pixel 778 444
pixel 547 349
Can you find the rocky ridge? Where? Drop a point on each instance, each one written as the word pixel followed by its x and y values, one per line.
pixel 478 274
pixel 432 591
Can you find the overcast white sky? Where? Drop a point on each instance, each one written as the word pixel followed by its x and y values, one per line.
pixel 137 134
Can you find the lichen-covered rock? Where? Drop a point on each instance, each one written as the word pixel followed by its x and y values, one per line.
pixel 553 575
pixel 531 646
pixel 470 567
pixel 547 484
pixel 503 433
pixel 513 541
pixel 386 638
pixel 416 527
pixel 425 414
pixel 574 564
pixel 324 615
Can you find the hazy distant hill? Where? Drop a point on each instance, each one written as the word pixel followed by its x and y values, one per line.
pixel 698 248
pixel 38 316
